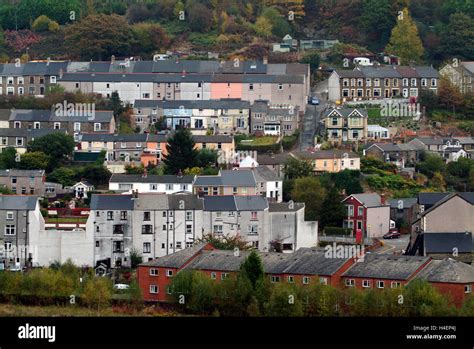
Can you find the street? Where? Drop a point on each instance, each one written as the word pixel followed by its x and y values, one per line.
pixel 310 126
pixel 394 246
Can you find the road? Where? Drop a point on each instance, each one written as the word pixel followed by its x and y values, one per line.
pixel 394 246
pixel 310 125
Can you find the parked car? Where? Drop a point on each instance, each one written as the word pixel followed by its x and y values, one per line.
pixel 392 234
pixel 121 286
pixel 314 100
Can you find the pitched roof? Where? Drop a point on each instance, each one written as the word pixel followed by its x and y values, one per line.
pixel 18 202
pixel 431 198
pixel 368 199
pixel 449 271
pixel 446 242
pixel 285 206
pixel 177 259
pixel 235 203
pixel 213 139
pixel 21 173
pixel 386 267
pixel 346 112
pixel 313 261
pixel 228 178
pixel 406 202
pixel 274 159
pixel 229 103
pixel 111 202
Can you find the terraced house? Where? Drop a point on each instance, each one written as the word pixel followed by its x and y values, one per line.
pixel 224 116
pixel 191 80
pixel 461 74
pixel 158 224
pixel 376 82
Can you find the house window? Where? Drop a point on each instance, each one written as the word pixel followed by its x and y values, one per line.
pixel 123 215
pixel 110 215
pixel 280 86
pixel 365 283
pixel 189 229
pixel 224 276
pixel 154 272
pixel 274 279
pixel 118 246
pixel 396 284
pixel 213 275
pixel 97 126
pixel 169 273
pixel 218 229
pixel 360 211
pixel 52 79
pixel 253 229
pixel 118 229
pixel 147 247
pixel 154 289
pixel 9 216
pixel 19 141
pixel 146 216
pixel 253 215
pixel 350 210
pixel 306 280
pixel 147 229
pixel 17 124
pixel 10 229
pixel 380 284
pixel 189 215
pixel 57 125
pixel 467 288
pixel 350 282
pixel 77 127
pixel 323 281
pixel 291 279
pixel 8 246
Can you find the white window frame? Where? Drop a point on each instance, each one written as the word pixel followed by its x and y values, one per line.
pixel 380 284
pixel 154 272
pixel 154 289
pixel 169 273
pixel 10 230
pixel 366 283
pixel 350 282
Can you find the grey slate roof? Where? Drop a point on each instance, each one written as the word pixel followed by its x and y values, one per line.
pixel 386 267
pixel 345 112
pixel 111 202
pixel 177 259
pixel 219 203
pixel 222 260
pixel 446 242
pixel 213 139
pixel 228 178
pixel 276 159
pixel 369 199
pixel 263 173
pixel 235 203
pixel 132 178
pixel 449 271
pixel 407 202
pixel 182 201
pixel 21 173
pixel 312 261
pixel 18 202
pixel 431 198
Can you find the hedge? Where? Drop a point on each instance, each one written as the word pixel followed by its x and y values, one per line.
pixel 337 231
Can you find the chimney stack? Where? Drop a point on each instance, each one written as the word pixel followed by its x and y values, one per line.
pixel 112 59
pixel 61 73
pixel 382 199
pixel 265 59
pixel 145 173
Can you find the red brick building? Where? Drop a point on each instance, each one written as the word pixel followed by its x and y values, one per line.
pixel 383 271
pixel 450 277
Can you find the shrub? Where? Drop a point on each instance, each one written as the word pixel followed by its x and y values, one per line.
pixel 41 24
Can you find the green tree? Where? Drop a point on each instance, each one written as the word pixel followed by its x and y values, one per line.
pixel 457 37
pixel 99 37
pixel 424 300
pixel 320 300
pixel 284 301
pixel 252 268
pixel 279 26
pixel 332 210
pixel 405 41
pixel 135 258
pixel 295 168
pixel 34 161
pixel 97 292
pixel 58 146
pixel 310 191
pixel 377 19
pixel 62 175
pixel 313 59
pixel 207 157
pixel 263 27
pixel 225 242
pixel 199 17
pixel 432 164
pixel 181 152
pixel 8 158
pixel 149 38
pixel 41 23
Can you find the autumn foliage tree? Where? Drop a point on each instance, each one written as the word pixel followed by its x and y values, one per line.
pixel 405 41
